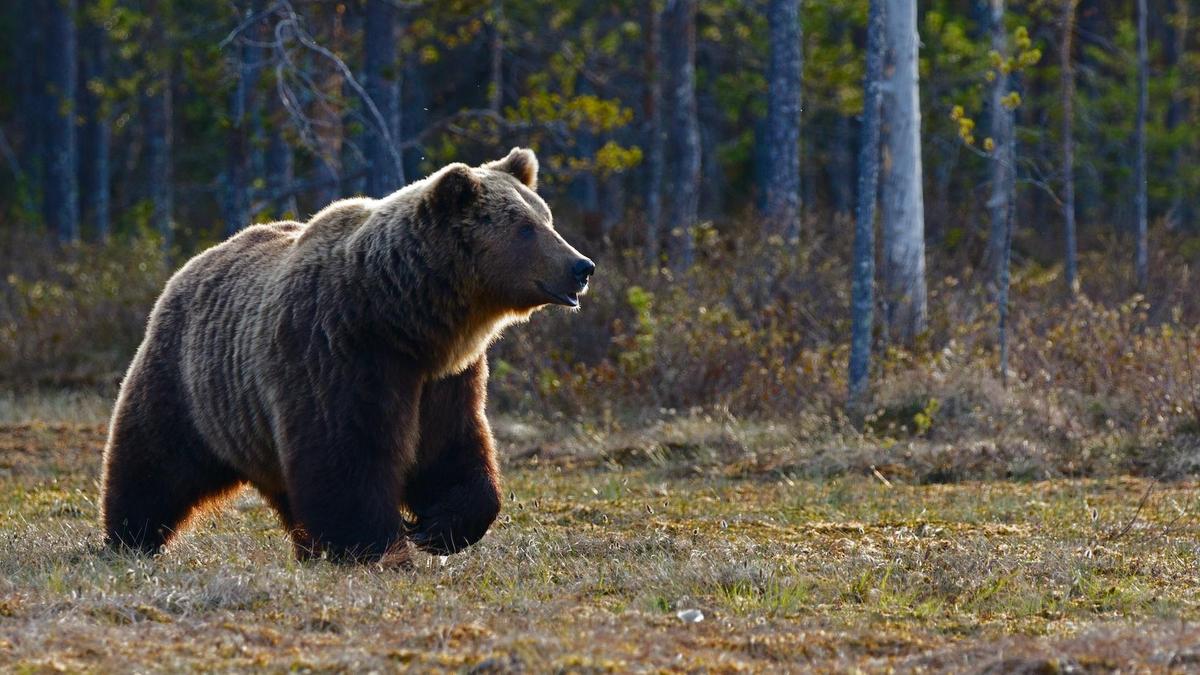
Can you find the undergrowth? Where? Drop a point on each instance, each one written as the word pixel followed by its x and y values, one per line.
pixel 758 330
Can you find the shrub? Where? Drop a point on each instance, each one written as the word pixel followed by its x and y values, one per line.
pixel 75 314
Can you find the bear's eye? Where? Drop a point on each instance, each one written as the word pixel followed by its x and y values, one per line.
pixel 527 231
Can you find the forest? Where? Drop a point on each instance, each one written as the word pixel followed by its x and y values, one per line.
pixel 891 359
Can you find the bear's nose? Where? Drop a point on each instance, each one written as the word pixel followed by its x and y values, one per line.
pixel 583 269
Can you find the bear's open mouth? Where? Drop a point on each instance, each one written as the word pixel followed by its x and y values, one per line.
pixel 566 299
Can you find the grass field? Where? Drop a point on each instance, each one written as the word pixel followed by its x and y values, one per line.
pixel 594 558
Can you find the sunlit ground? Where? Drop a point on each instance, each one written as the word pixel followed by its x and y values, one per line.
pixel 595 560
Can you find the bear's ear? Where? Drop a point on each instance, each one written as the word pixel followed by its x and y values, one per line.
pixel 456 187
pixel 520 162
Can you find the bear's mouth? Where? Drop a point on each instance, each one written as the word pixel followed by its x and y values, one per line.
pixel 565 299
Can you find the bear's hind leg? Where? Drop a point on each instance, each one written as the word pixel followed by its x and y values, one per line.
pixel 302 544
pixel 155 475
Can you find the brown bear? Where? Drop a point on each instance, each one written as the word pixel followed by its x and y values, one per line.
pixel 339 367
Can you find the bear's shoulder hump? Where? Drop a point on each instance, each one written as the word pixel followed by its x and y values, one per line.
pixel 338 219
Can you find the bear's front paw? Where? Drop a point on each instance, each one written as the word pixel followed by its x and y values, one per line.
pixel 443 535
pixel 454 524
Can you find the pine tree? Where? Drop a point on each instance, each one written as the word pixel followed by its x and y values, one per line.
pixel 863 291
pixel 783 119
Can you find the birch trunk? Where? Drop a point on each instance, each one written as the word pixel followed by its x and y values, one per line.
pixel 902 200
pixel 1005 272
pixel 1000 133
pixel 679 21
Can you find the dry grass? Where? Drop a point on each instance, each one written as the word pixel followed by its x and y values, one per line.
pixel 56 406
pixel 601 543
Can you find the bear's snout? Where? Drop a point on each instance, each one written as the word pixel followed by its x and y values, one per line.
pixel 583 269
pixel 568 282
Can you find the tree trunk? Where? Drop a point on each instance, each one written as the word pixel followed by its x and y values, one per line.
pixel 1001 131
pixel 280 161
pixel 679 21
pixel 612 207
pixel 653 130
pixel 863 291
pixel 712 181
pixel 496 52
pixel 330 131
pixel 236 177
pixel 1004 276
pixel 158 129
pixel 1177 59
pixel 841 170
pixel 1140 204
pixel 280 174
pixel 381 73
pixel 1093 190
pixel 96 141
pixel 60 196
pixel 245 110
pixel 1068 148
pixel 902 201
pixel 356 118
pixel 31 89
pixel 415 103
pixel 783 119
pixel 158 111
pixel 585 188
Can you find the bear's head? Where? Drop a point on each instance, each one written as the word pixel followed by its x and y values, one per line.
pixel 522 263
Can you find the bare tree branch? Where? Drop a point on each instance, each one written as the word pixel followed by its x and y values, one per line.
pixel 294 23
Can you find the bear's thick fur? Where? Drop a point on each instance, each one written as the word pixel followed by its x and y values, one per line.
pixel 338 366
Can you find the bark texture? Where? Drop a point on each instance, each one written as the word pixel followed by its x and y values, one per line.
pixel 95 143
pixel 902 200
pixel 679 21
pixel 385 170
pixel 1070 256
pixel 1000 133
pixel 1141 263
pixel 863 286
pixel 653 130
pixel 60 193
pixel 783 119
